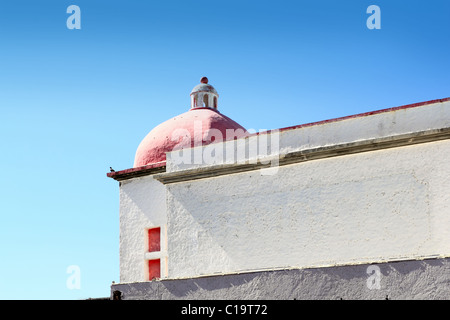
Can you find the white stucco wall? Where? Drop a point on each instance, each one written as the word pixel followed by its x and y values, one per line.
pixel 383 205
pixel 389 204
pixel 142 206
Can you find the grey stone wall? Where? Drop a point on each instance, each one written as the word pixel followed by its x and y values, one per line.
pixel 420 280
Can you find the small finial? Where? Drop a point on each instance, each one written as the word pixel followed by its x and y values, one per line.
pixel 204 80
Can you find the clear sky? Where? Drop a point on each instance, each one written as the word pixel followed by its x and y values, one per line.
pixel 74 102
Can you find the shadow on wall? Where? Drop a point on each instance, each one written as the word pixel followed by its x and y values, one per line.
pixel 418 280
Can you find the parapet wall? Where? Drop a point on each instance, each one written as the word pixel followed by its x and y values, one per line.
pixel 382 125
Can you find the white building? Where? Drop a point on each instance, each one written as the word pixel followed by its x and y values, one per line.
pixel 351 208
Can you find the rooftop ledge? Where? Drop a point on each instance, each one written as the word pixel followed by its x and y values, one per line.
pixel 137 172
pixel 293 151
pixel 365 114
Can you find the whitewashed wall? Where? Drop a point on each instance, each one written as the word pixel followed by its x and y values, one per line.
pixel 368 207
pixel 142 206
pixel 389 204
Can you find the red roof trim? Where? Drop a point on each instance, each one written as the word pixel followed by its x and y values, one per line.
pixel 132 171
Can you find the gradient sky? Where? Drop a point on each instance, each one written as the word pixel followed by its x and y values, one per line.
pixel 75 102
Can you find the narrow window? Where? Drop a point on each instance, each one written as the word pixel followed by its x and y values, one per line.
pixel 215 102
pixel 205 100
pixel 154 269
pixel 154 239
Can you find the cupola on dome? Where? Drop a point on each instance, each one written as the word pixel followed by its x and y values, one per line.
pixel 204 95
pixel 201 125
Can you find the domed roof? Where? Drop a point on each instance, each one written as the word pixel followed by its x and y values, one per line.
pixel 198 126
pixel 195 127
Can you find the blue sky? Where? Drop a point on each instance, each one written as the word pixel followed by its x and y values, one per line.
pixel 75 102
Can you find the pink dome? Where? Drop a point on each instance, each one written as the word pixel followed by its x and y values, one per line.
pixel 197 126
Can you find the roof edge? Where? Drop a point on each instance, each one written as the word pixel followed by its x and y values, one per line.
pixel 160 167
pixel 358 115
pixel 138 171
